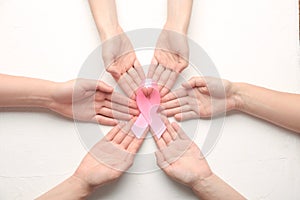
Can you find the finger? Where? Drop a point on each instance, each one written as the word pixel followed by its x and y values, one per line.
pixel 181 92
pixel 147 91
pixel 122 133
pixel 194 82
pixel 127 140
pixel 203 90
pixel 111 134
pixel 152 68
pixel 136 143
pixel 121 99
pixel 170 135
pixel 175 103
pixel 139 69
pixel 103 87
pixel 160 143
pixel 174 111
pixel 167 137
pixel 104 111
pixel 158 72
pixel 164 91
pixel 170 83
pixel 121 108
pixel 180 132
pixel 171 131
pixel 186 116
pixel 105 120
pixel 125 87
pixel 163 79
pixel 134 76
pixel 131 82
pixel 160 160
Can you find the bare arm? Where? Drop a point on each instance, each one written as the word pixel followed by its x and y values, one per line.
pixel 106 18
pixel 117 51
pixel 181 159
pixel 214 188
pixel 26 92
pixel 106 162
pixel 276 107
pixel 213 96
pixel 71 189
pixel 73 99
pixel 172 52
pixel 179 14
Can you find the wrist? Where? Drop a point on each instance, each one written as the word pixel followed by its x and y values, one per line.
pixel 82 189
pixel 41 96
pixel 48 97
pixel 110 31
pixel 177 27
pixel 237 95
pixel 202 184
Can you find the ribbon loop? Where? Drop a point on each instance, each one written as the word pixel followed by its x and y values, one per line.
pixel 148 108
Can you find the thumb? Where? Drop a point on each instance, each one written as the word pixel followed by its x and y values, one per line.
pixel 194 82
pixel 101 86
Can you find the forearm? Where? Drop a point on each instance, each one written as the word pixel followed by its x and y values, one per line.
pixel 71 189
pixel 179 14
pixel 24 92
pixel 106 18
pixel 214 188
pixel 276 107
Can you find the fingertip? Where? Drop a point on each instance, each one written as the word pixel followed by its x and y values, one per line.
pixel 185 84
pixel 178 117
pixel 137 63
pixel 102 86
pixel 154 61
pixel 132 103
pixel 150 90
pixel 203 90
pixel 175 126
pixel 164 91
pixel 135 112
pixel 133 97
pixel 164 99
pixel 133 119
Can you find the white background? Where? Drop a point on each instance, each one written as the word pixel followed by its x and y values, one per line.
pixel 253 41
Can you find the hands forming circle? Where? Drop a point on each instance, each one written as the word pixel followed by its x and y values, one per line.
pixel 178 156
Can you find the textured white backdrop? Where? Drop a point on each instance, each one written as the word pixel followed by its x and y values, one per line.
pixel 254 41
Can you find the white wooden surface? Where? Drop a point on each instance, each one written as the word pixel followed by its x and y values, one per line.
pixel 254 41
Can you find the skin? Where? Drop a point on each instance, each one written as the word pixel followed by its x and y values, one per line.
pixel 172 52
pixel 98 169
pixel 81 99
pixel 208 96
pixel 178 156
pixel 117 51
pixel 169 59
pixel 181 159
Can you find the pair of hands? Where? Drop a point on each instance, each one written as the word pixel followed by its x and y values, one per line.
pixel 201 97
pixel 170 58
pixel 177 155
pixel 91 101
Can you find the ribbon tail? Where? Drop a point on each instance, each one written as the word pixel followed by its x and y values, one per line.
pixel 156 123
pixel 139 126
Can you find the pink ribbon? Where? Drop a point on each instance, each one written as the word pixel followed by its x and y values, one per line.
pixel 148 108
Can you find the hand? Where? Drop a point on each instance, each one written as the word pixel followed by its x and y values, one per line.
pixel 121 62
pixel 170 58
pixel 180 158
pixel 92 101
pixel 200 97
pixel 110 157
